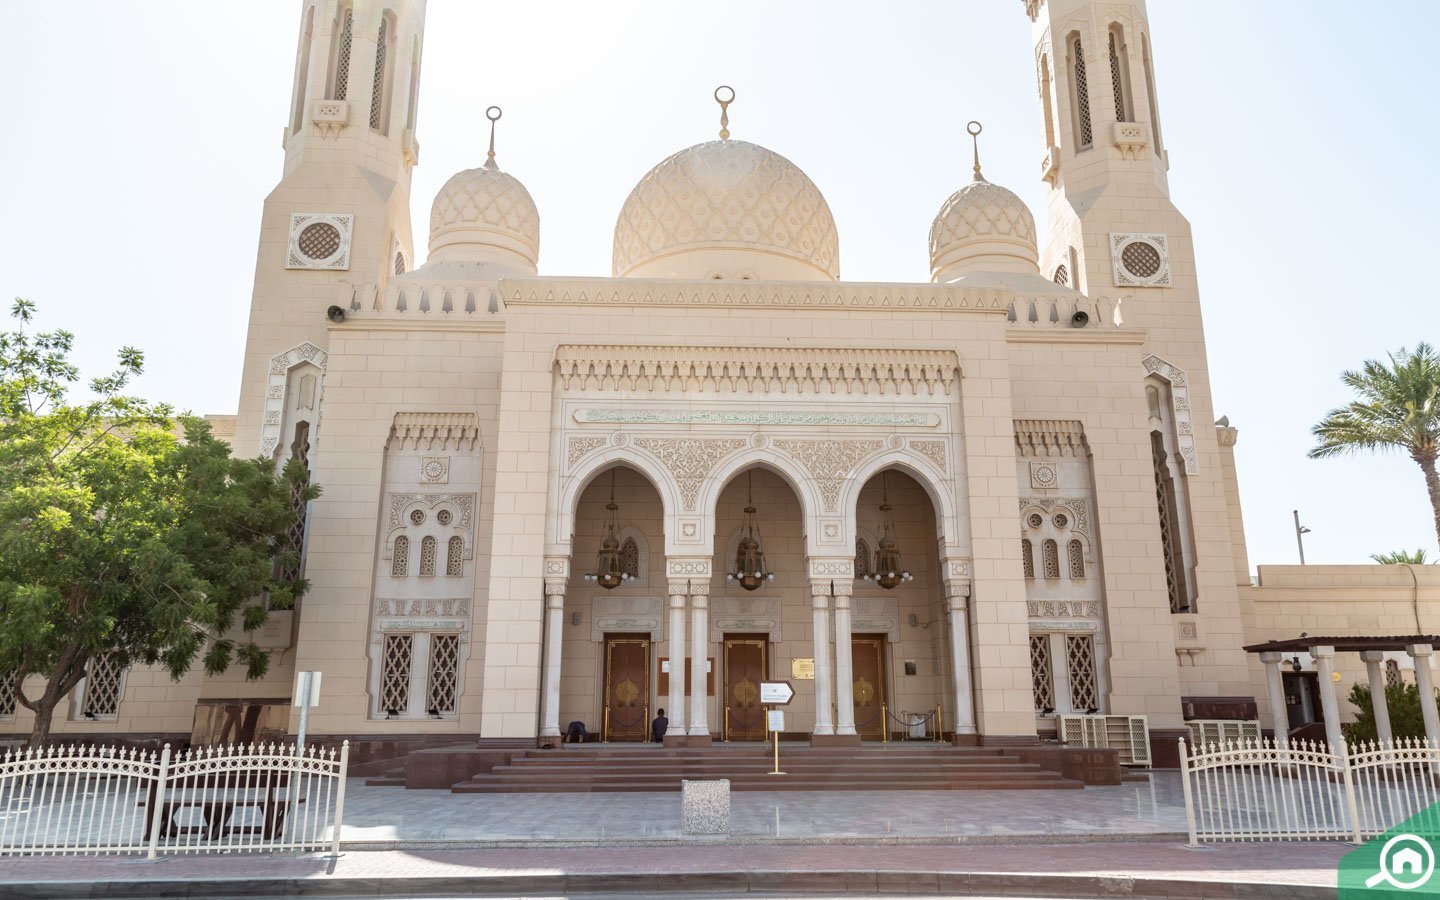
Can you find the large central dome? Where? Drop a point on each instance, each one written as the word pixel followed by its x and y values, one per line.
pixel 727 209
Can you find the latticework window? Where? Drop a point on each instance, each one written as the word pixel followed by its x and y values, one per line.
pixel 1040 679
pixel 1169 546
pixel 862 558
pixel 342 54
pixel 630 558
pixel 102 688
pixel 1082 94
pixel 1080 663
pixel 8 687
pixel 441 689
pixel 1062 275
pixel 1392 676
pixel 1076 557
pixel 319 241
pixel 399 264
pixel 428 549
pixel 1050 554
pixel 400 559
pixel 1117 79
pixel 395 673
pixel 454 557
pixel 1027 557
pixel 377 92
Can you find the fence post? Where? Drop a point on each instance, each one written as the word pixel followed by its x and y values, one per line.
pixel 340 796
pixel 160 778
pixel 1185 787
pixel 1351 808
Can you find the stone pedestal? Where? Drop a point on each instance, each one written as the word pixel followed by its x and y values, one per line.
pixel 705 806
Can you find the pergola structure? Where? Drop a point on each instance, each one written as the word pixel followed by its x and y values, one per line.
pixel 1372 650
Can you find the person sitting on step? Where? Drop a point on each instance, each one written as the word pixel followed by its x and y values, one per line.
pixel 659 727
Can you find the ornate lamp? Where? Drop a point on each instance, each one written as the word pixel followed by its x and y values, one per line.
pixel 750 556
pixel 889 572
pixel 609 572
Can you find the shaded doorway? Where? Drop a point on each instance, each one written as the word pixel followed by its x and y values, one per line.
pixel 1302 699
pixel 746 661
pixel 867 661
pixel 627 687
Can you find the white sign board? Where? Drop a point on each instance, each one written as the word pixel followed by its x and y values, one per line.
pixel 307 689
pixel 776 693
pixel 777 719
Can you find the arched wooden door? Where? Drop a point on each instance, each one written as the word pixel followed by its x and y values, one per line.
pixel 627 687
pixel 746 660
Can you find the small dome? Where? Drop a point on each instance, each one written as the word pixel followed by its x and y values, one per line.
pixel 485 215
pixel 727 209
pixel 982 228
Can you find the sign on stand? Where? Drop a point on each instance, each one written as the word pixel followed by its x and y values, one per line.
pixel 776 720
pixel 776 693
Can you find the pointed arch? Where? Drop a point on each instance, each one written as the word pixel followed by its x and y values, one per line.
pixel 930 479
pixel 573 486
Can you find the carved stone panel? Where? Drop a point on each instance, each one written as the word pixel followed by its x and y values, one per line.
pixel 753 615
pixel 632 614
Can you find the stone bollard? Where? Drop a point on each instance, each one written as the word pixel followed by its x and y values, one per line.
pixel 705 806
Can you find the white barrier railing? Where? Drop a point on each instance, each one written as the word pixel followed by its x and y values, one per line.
pixel 80 799
pixel 1258 791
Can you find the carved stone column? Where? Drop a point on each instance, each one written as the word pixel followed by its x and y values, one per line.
pixel 1425 681
pixel 554 640
pixel 957 596
pixel 1374 659
pixel 679 594
pixel 820 600
pixel 700 644
pixel 1324 667
pixel 844 657
pixel 1275 688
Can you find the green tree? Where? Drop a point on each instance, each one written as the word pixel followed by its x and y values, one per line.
pixel 1403 703
pixel 119 539
pixel 1401 558
pixel 1397 408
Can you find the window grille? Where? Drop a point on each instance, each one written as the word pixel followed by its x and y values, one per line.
pixel 399 264
pixel 377 90
pixel 395 673
pixel 1040 679
pixel 1062 275
pixel 102 687
pixel 1080 662
pixel 427 555
pixel 1082 94
pixel 1076 555
pixel 319 241
pixel 630 558
pixel 400 559
pixel 444 517
pixel 1027 557
pixel 1051 555
pixel 1392 677
pixel 1116 81
pixel 8 688
pixel 1179 602
pixel 342 55
pixel 444 673
pixel 455 557
pixel 862 558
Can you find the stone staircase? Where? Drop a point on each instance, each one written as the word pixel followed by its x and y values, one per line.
pixel 647 767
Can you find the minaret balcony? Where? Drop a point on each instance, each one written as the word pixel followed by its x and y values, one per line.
pixel 1050 165
pixel 330 116
pixel 1130 138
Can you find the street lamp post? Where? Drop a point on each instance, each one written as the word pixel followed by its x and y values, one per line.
pixel 1300 531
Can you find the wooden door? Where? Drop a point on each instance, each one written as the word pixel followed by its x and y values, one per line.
pixel 745 667
pixel 867 662
pixel 627 686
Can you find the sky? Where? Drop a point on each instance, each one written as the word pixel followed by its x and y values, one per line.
pixel 140 140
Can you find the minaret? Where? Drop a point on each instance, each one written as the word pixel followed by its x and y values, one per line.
pixel 338 223
pixel 1113 232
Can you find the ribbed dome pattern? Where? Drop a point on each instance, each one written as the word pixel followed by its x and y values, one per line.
pixel 485 206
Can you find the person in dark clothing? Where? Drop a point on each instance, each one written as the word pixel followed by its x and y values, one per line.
pixel 576 733
pixel 659 727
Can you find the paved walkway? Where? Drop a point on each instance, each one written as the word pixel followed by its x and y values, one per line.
pixel 395 817
pixel 1071 870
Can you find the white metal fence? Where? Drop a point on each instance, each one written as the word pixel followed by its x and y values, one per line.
pixel 1257 791
pixel 82 799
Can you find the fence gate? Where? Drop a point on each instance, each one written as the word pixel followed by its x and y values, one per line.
pixel 81 799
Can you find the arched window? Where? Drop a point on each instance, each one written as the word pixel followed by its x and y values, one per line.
pixel 1027 557
pixel 862 558
pixel 380 84
pixel 302 71
pixel 1150 92
pixel 1046 86
pixel 1051 554
pixel 1062 275
pixel 1170 550
pixel 630 558
pixel 427 555
pixel 1120 76
pixel 1080 96
pixel 1076 556
pixel 344 43
pixel 454 557
pixel 399 263
pixel 400 559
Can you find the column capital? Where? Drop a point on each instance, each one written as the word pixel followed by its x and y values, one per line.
pixel 1271 657
pixel 696 568
pixel 842 589
pixel 557 566
pixel 554 600
pixel 699 589
pixel 678 588
pixel 1323 651
pixel 836 567
pixel 1420 650
pixel 555 587
pixel 1372 656
pixel 820 593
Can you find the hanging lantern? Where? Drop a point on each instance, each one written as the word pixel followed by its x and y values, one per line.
pixel 749 568
pixel 889 571
pixel 609 571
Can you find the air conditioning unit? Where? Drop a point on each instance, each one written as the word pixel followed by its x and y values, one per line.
pixel 1128 734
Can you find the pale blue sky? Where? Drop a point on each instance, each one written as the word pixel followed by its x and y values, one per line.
pixel 141 139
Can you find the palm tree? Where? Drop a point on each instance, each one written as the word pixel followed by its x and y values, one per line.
pixel 1401 558
pixel 1397 408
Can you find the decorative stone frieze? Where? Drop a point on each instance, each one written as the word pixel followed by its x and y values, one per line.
pixel 611 613
pixel 630 415
pixel 1078 507
pixel 1050 438
pixel 434 431
pixel 919 298
pixel 690 460
pixel 830 462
